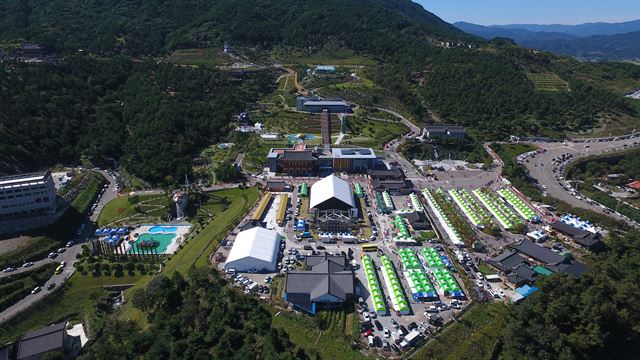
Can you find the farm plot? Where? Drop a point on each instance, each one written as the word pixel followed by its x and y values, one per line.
pixel 394 287
pixel 452 222
pixel 547 82
pixel 471 208
pixel 506 217
pixel 521 208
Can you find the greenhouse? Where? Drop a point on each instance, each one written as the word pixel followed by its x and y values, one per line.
pixel 454 234
pixel 377 297
pixel 394 287
pixel 359 190
pixel 387 200
pixel 448 283
pixel 417 205
pixel 521 208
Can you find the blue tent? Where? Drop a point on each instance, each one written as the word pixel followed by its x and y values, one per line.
pixel 112 231
pixel 98 232
pixel 526 290
pixel 122 231
pixel 107 238
pixel 115 238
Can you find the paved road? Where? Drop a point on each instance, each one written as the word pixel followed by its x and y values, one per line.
pixel 414 128
pixel 541 167
pixel 69 256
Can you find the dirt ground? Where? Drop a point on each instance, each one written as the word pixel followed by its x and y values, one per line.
pixel 7 245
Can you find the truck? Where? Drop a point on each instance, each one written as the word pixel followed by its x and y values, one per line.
pixel 410 339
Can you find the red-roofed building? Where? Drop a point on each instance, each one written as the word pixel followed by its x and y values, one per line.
pixel 635 185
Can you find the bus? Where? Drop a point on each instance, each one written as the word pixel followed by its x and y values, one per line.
pixel 369 247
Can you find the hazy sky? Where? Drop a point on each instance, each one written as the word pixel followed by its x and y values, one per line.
pixel 490 12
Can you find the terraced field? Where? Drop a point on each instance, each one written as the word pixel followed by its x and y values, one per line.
pixel 547 82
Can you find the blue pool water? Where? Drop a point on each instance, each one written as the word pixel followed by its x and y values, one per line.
pixel 160 229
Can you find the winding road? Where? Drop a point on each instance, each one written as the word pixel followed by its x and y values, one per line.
pixel 540 167
pixel 69 256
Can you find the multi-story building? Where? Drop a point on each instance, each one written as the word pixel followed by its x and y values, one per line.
pixel 455 131
pixel 317 105
pixel 300 161
pixel 27 195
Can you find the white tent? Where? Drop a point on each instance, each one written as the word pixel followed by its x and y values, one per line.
pixel 331 193
pixel 255 249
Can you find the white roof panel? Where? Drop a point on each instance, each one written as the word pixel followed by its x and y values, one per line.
pixel 258 243
pixel 330 187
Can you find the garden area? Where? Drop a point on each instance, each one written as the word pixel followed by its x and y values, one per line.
pixel 449 218
pixel 506 217
pixel 471 208
pixel 135 209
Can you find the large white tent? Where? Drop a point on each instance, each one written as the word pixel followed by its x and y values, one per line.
pixel 255 249
pixel 331 193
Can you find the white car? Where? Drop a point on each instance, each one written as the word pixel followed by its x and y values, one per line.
pixel 387 333
pixel 479 275
pixel 27 264
pixel 366 317
pixel 35 290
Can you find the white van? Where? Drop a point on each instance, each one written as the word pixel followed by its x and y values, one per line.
pixel 370 338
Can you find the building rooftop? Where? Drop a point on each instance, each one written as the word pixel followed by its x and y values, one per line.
pixel 331 187
pixel 444 128
pixel 325 68
pixel 353 153
pixel 42 340
pixel 326 103
pixel 580 236
pixel 298 155
pixel 575 270
pixel 329 277
pixel 537 252
pixel 23 178
pixel 258 243
pixel 507 260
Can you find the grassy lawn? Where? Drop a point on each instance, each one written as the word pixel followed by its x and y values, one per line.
pixel 485 269
pixel 228 207
pixel 331 343
pixel 372 133
pixel 71 302
pixel 473 336
pixel 150 206
pixel 75 300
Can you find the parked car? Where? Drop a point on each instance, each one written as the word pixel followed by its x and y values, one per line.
pixel 412 326
pixel 35 290
pixel 9 269
pixel 27 264
pixel 51 286
pixel 378 325
pixel 70 243
pixel 61 250
pixel 367 332
pixel 394 323
pixel 53 255
pixel 387 333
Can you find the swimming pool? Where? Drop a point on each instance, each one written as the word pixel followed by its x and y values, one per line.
pixel 164 240
pixel 162 229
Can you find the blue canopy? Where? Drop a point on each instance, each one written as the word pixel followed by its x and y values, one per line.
pixel 112 231
pixel 98 232
pixel 107 238
pixel 122 231
pixel 526 290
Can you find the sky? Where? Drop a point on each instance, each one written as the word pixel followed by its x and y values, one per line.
pixel 499 12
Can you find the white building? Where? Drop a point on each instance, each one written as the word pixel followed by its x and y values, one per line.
pixel 27 195
pixel 254 250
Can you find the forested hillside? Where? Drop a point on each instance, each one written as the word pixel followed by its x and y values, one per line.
pixel 483 85
pixel 152 117
pixel 195 318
